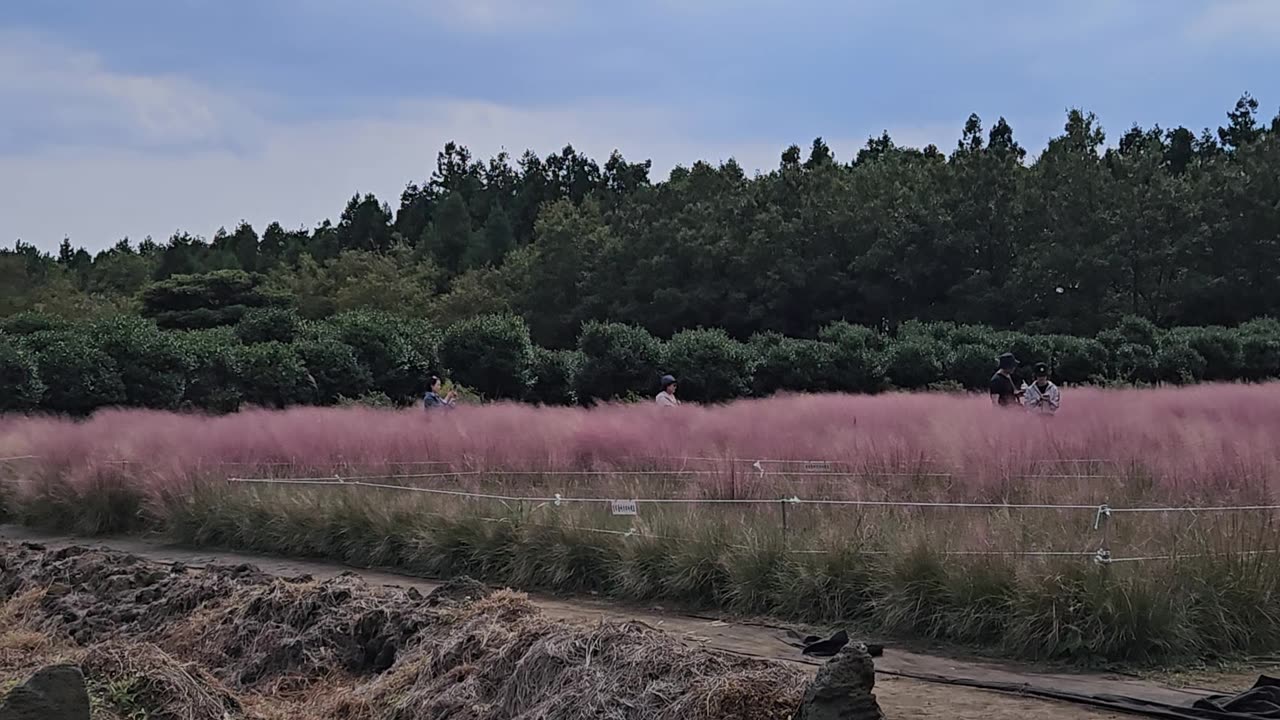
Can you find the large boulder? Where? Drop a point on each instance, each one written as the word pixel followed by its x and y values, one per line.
pixel 842 689
pixel 56 692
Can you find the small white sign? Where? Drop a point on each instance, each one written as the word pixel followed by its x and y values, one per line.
pixel 817 466
pixel 623 507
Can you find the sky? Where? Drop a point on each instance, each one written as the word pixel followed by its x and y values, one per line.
pixel 132 118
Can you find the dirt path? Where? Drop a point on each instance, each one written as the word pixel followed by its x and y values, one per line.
pixel 900 695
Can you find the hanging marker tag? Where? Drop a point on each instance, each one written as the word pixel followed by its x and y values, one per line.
pixel 623 507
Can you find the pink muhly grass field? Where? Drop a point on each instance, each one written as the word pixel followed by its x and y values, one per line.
pixel 1209 444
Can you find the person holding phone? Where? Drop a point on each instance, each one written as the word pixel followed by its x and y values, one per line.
pixel 1042 397
pixel 433 399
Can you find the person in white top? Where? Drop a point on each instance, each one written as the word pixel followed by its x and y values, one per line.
pixel 667 398
pixel 1042 397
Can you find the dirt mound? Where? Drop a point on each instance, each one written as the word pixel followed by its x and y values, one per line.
pixel 140 679
pixel 458 590
pixel 93 594
pixel 304 630
pixel 463 652
pixel 502 658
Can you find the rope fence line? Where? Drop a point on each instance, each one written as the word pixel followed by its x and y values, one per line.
pixel 558 499
pixel 686 475
pixel 1103 515
pixel 1102 557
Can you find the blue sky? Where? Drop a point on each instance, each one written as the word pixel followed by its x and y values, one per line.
pixel 142 117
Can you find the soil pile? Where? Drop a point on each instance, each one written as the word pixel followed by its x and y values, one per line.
pixel 56 692
pixel 842 689
pixel 462 652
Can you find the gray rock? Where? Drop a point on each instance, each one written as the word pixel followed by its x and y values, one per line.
pixel 56 692
pixel 842 689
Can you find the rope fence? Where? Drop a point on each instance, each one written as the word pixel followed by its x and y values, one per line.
pixel 1103 514
pixel 787 470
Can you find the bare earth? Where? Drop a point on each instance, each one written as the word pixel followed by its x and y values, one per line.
pixel 900 697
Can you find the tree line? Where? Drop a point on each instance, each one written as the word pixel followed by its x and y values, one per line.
pixel 1181 228
pixel 255 350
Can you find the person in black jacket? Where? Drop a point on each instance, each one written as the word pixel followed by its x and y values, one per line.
pixel 1005 392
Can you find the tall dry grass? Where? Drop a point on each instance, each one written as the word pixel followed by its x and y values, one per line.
pixel 1023 577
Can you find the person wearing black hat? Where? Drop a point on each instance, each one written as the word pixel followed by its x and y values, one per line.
pixel 1043 397
pixel 667 398
pixel 1004 392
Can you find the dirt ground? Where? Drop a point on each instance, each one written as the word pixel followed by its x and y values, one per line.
pixel 899 696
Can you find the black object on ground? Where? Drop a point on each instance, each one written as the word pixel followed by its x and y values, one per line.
pixel 815 646
pixel 828 647
pixel 1261 702
pixel 842 689
pixel 56 692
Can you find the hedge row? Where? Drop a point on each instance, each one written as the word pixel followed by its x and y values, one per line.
pixel 272 358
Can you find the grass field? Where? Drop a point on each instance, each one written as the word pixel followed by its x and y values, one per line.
pixel 1135 527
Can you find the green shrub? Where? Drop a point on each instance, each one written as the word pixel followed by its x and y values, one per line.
pixel 790 364
pixel 617 360
pixel 711 366
pixel 423 339
pixel 1136 330
pixel 370 400
pixel 921 330
pixel 272 375
pixel 206 300
pixel 914 363
pixel 1259 357
pixel 848 334
pixel 333 366
pixel 383 346
pixel 151 363
pixel 555 373
pixel 20 385
pixel 213 370
pixel 1221 349
pixel 272 324
pixel 971 366
pixel 856 358
pixel 1134 363
pixel 79 378
pixel 1077 360
pixel 1179 363
pixel 27 323
pixel 490 353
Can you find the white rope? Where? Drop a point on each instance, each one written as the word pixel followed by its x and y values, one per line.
pixel 1211 508
pixel 350 479
pixel 1153 558
pixel 559 499
pixel 18 457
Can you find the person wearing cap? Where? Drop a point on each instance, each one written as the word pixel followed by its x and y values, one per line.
pixel 1004 391
pixel 667 398
pixel 1042 397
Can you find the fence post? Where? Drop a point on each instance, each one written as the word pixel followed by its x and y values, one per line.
pixel 1102 522
pixel 783 503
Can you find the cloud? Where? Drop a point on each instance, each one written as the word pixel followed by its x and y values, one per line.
pixel 53 91
pixel 300 174
pixel 493 15
pixel 98 154
pixel 1228 19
